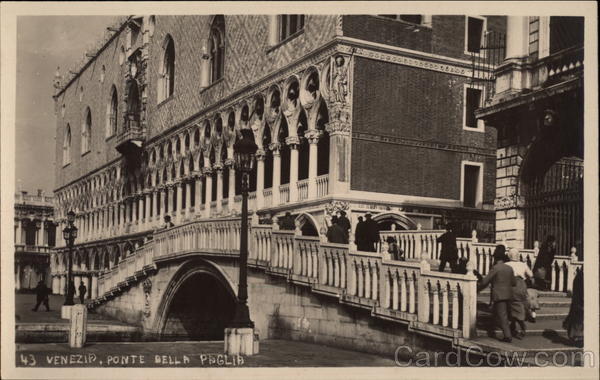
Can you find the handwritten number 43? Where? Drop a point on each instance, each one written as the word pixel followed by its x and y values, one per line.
pixel 28 359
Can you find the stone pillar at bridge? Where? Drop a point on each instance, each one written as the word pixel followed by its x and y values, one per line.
pixel 94 286
pixel 63 284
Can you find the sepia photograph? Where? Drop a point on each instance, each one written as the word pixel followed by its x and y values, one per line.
pixel 258 189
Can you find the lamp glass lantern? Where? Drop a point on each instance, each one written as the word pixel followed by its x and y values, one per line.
pixel 70 232
pixel 244 151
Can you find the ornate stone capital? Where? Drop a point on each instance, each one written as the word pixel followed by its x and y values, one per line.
pixel 275 147
pixel 207 171
pixel 260 155
pixel 229 163
pixel 338 127
pixel 292 140
pixel 312 135
pixel 334 207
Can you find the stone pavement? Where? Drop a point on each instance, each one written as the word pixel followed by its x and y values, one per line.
pixel 273 353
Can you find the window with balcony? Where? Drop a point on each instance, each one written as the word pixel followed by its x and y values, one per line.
pixel 217 48
pixel 166 85
pixel 290 25
pixel 472 184
pixel 86 132
pixel 475 27
pixel 67 146
pixel 111 113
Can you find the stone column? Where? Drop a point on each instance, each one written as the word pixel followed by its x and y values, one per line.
pixel 198 195
pixel 208 197
pixel 55 285
pixel 517 37
pixel 63 284
pixel 18 277
pixel 77 281
pixel 161 208
pixel 169 208
pixel 188 198
pixel 38 232
pixel 293 142
pixel 339 155
pixel 544 37
pixel 19 232
pixel 231 189
pixel 155 211
pixel 141 208
pixel 178 197
pixel 219 170
pixel 260 178
pixel 276 174
pixel 94 286
pixel 313 139
pixel 147 209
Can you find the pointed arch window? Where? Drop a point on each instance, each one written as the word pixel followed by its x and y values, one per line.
pixel 111 113
pixel 217 48
pixel 166 85
pixel 67 146
pixel 86 132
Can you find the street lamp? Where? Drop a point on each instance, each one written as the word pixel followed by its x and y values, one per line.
pixel 69 234
pixel 244 151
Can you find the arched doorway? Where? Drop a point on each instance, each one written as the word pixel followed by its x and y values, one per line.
pixel 198 304
pixel 392 221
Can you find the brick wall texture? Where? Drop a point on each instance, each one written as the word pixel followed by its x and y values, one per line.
pixel 420 105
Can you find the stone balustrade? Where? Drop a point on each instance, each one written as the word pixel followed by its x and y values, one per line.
pixel 409 292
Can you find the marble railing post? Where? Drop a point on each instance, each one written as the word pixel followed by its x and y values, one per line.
pixel 293 142
pixel 275 198
pixel 260 178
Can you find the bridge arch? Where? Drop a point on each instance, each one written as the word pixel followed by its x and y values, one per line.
pixel 197 304
pixel 307 224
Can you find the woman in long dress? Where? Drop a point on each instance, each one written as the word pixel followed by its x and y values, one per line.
pixel 519 304
pixel 574 321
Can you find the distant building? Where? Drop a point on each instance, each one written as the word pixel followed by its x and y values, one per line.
pixel 350 112
pixel 35 236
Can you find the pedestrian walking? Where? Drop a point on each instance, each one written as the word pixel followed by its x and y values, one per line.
pixel 519 305
pixel 574 321
pixel 502 279
pixel 372 234
pixel 335 233
pixel 395 252
pixel 542 269
pixel 41 295
pixel 344 223
pixel 449 253
pixel 82 291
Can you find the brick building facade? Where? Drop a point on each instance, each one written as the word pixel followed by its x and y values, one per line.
pixel 358 113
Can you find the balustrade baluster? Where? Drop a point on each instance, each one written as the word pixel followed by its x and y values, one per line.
pixel 455 306
pixel 375 279
pixel 436 304
pixel 367 271
pixel 360 279
pixel 445 310
pixel 395 277
pixel 403 291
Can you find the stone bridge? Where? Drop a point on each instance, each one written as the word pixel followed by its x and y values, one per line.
pixel 182 284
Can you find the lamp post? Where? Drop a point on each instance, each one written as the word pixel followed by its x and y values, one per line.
pixel 69 234
pixel 244 151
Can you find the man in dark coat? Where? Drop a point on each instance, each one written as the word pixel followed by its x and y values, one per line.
pixel 502 278
pixel 82 291
pixel 41 295
pixel 449 253
pixel 344 223
pixel 360 235
pixel 544 261
pixel 372 230
pixel 335 233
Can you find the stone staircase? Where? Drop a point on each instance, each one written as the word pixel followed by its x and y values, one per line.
pixel 546 337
